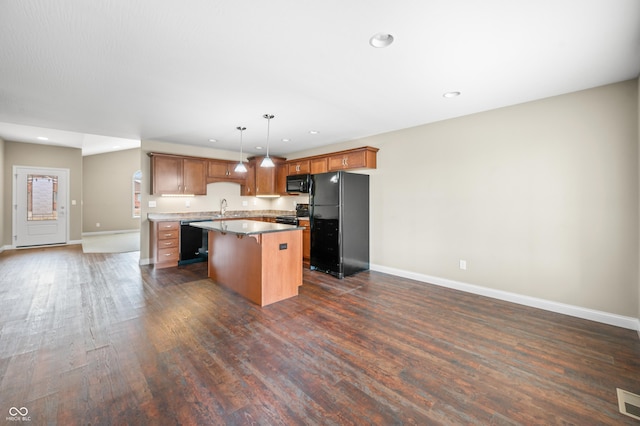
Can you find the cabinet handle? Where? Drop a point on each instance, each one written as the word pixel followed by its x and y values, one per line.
pixel 168 254
pixel 167 235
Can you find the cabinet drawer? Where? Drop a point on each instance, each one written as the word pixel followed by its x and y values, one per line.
pixel 168 226
pixel 168 255
pixel 167 235
pixel 173 242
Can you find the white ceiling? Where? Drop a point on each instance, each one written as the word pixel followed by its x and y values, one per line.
pixel 113 72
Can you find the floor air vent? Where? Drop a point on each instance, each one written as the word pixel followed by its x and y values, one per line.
pixel 629 403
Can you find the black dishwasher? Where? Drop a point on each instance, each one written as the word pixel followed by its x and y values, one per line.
pixel 194 243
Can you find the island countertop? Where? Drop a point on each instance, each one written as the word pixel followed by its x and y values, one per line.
pixel 244 227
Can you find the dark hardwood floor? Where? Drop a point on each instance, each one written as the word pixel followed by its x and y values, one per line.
pixel 97 339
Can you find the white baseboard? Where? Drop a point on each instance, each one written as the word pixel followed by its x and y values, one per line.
pixel 121 231
pixel 562 308
pixel 144 262
pixel 68 243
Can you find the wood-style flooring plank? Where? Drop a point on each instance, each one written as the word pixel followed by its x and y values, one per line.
pixel 97 339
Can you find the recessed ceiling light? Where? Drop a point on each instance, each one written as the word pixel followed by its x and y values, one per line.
pixel 451 94
pixel 42 138
pixel 259 147
pixel 213 140
pixel 286 140
pixel 314 132
pixel 381 40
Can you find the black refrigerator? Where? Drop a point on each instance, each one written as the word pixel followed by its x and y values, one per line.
pixel 339 213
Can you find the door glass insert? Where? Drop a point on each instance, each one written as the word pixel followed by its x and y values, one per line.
pixel 42 197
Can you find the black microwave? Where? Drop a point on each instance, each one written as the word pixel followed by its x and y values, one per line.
pixel 298 183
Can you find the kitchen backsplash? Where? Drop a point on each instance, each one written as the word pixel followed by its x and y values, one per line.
pixel 215 193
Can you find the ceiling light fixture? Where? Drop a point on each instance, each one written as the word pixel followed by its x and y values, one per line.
pixel 42 138
pixel 240 167
pixel 381 40
pixel 267 161
pixel 313 132
pixel 213 140
pixel 451 94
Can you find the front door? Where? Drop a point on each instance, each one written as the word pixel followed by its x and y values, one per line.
pixel 40 206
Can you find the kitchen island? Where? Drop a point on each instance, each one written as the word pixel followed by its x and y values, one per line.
pixel 258 260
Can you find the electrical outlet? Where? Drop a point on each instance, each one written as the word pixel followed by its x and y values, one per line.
pixel 187 203
pixel 463 265
pixel 97 224
pixel 245 203
pixel 152 203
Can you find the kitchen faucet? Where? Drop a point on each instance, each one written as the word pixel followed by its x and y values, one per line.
pixel 223 206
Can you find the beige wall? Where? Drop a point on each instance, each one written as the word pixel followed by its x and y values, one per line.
pixel 27 154
pixel 107 191
pixel 541 199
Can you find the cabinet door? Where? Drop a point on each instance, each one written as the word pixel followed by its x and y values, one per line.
pixel 249 186
pixel 306 241
pixel 347 161
pixel 318 165
pixel 166 175
pixel 281 179
pixel 194 177
pixel 299 167
pixel 218 168
pixel 265 180
pixel 356 159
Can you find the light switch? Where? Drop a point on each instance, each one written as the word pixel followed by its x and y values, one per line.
pixel 152 203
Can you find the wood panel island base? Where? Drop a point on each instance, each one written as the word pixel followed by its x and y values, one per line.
pixel 258 260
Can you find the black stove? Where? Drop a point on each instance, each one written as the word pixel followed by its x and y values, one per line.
pixel 287 220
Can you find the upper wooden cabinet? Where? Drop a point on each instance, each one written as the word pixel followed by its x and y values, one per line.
pixel 248 188
pixel 318 165
pixel 353 159
pixel 181 175
pixel 224 171
pixel 358 158
pixel 176 175
pixel 298 167
pixel 264 180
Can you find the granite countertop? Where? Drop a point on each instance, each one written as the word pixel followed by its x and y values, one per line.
pixel 244 227
pixel 215 215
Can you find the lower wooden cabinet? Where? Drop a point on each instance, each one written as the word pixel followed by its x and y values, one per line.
pixel 306 241
pixel 165 243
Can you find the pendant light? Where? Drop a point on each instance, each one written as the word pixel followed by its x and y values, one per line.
pixel 267 162
pixel 240 167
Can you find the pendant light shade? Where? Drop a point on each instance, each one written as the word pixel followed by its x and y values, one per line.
pixel 240 167
pixel 267 162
